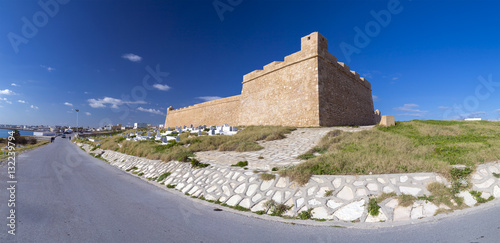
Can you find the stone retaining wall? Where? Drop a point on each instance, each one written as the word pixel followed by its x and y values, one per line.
pixel 348 200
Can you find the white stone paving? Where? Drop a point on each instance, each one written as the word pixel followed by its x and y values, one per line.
pixel 348 200
pixel 276 153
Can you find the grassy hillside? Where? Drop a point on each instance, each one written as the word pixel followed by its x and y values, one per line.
pixel 412 146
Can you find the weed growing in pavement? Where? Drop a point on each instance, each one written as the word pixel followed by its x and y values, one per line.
pixel 479 199
pixel 171 186
pixel 328 193
pixel 306 214
pixel 426 198
pixel 373 207
pixel 241 164
pixel 163 176
pixel 497 175
pixel 444 195
pixel 133 168
pixel 406 200
pixel 275 208
pixel 197 164
pixel 267 176
pixel 384 196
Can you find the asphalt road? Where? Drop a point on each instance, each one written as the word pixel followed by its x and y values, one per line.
pixel 65 195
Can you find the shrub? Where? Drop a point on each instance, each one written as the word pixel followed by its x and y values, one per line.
pixel 32 140
pixel 171 186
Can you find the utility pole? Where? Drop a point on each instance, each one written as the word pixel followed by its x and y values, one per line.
pixel 77 121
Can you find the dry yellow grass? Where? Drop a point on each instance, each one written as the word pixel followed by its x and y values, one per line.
pixel 244 140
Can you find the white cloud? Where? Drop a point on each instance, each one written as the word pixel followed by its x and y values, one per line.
pixel 8 102
pixel 444 107
pixel 395 78
pixel 410 110
pixel 22 101
pixel 88 113
pixel 68 104
pixel 154 111
pixel 101 103
pixel 50 69
pixel 86 92
pixel 7 92
pixel 34 107
pixel 3 98
pixel 208 98
pixel 162 87
pixel 132 57
pixel 14 84
pixel 375 98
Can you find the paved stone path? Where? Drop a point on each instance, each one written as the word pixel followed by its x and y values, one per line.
pixel 277 153
pixel 347 200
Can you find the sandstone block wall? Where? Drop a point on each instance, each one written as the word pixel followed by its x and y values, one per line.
pixel 309 88
pixel 215 112
pixel 284 93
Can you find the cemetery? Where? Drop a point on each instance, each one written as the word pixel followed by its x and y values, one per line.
pixel 172 134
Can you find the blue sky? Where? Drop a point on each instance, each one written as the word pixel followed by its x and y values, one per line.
pixel 127 61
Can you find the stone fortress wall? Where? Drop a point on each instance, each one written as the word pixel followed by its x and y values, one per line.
pixel 309 88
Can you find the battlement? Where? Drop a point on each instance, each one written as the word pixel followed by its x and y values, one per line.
pixel 235 98
pixel 311 46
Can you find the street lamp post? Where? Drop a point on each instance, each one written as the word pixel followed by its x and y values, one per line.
pixel 77 121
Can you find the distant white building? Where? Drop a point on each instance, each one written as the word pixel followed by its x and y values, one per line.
pixel 138 125
pixel 472 119
pixel 161 125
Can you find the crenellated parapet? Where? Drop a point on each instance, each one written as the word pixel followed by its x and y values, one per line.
pixel 312 46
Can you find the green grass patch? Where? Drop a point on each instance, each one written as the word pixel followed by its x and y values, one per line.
pixel 171 186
